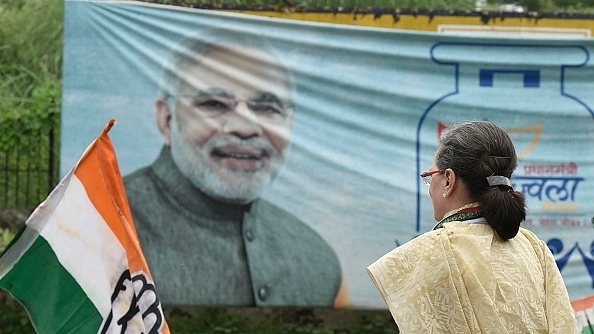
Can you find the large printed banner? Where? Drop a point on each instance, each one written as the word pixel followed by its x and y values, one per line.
pixel 308 140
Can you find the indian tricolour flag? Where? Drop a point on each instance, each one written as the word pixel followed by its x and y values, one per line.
pixel 77 266
pixel 584 313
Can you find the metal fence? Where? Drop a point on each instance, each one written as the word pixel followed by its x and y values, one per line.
pixel 29 171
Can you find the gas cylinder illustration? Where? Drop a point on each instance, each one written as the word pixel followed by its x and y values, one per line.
pixel 522 88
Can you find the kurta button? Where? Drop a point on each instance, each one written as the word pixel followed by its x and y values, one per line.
pixel 249 235
pixel 263 293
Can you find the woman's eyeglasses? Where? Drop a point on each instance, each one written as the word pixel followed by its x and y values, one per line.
pixel 426 177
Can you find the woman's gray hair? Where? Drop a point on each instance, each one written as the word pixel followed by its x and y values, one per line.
pixel 475 150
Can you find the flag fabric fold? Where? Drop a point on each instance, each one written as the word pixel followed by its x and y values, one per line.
pixel 77 265
pixel 584 313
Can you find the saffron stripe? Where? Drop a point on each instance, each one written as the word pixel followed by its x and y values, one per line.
pixel 108 195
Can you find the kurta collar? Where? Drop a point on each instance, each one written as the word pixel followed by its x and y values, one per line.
pixel 467 212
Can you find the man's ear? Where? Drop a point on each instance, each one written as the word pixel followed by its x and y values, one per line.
pixel 163 115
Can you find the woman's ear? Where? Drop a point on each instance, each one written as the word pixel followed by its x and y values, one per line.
pixel 450 180
pixel 163 115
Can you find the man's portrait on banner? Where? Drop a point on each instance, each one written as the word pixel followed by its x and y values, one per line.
pixel 225 114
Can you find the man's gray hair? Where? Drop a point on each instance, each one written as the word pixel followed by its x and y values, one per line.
pixel 191 48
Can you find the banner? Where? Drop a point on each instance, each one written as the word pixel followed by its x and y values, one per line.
pixel 347 116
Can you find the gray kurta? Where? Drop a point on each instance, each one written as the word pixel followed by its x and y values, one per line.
pixel 204 252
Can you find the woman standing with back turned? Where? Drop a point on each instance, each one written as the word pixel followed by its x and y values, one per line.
pixel 477 271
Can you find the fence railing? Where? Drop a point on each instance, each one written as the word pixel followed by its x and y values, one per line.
pixel 29 171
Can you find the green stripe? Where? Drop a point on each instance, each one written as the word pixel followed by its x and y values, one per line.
pixel 54 300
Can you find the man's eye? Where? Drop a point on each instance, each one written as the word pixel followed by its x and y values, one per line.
pixel 267 109
pixel 214 105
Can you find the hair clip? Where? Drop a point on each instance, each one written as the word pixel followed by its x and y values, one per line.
pixel 498 180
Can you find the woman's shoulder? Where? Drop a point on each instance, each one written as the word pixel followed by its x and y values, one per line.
pixel 528 235
pixel 539 246
pixel 422 241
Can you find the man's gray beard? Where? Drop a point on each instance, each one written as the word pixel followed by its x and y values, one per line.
pixel 242 186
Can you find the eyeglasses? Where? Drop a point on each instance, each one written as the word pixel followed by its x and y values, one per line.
pixel 215 102
pixel 426 177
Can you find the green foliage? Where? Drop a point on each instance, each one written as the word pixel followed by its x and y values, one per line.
pixel 275 321
pixel 20 126
pixel 13 317
pixel 14 320
pixel 30 69
pixel 567 6
pixel 379 325
pixel 424 4
pixel 13 4
pixel 6 235
pixel 31 38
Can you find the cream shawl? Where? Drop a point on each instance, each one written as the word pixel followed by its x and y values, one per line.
pixel 464 279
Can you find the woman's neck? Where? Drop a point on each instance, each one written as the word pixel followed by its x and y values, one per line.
pixel 474 206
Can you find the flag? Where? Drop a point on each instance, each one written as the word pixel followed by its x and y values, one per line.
pixel 584 313
pixel 77 266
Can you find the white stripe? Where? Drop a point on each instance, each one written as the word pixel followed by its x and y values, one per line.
pixel 85 245
pixel 34 223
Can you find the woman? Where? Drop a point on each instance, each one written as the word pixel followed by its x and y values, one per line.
pixel 477 271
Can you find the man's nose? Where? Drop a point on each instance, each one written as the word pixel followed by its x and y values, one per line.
pixel 242 122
